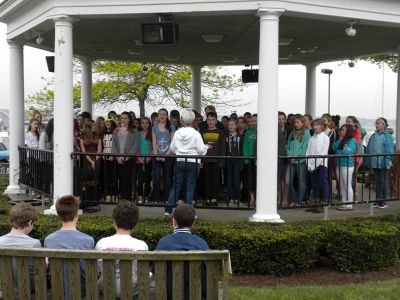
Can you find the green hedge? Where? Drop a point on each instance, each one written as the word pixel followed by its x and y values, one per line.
pixel 352 245
pixel 4 206
pixel 349 245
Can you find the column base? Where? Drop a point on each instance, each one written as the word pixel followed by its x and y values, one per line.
pixel 13 190
pixel 266 218
pixel 52 211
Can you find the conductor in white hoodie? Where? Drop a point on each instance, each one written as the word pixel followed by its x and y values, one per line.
pixel 186 142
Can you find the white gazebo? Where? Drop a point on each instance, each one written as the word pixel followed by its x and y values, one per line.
pixel 225 32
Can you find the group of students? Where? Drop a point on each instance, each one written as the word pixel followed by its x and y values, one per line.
pixel 125 217
pixel 149 178
pixel 300 135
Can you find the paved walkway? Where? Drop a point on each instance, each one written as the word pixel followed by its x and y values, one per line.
pixel 288 215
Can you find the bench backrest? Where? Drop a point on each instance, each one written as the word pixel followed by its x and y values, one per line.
pixel 217 262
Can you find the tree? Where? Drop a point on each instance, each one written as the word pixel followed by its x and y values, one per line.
pixel 149 84
pixel 389 59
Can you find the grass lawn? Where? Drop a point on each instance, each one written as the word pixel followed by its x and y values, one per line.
pixel 373 291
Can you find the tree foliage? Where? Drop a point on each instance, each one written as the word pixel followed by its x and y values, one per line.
pixel 150 84
pixel 388 59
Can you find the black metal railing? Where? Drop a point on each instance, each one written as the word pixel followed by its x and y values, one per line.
pixel 300 187
pixel 36 170
pixel 149 179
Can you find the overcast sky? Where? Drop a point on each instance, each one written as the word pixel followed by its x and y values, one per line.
pixel 354 91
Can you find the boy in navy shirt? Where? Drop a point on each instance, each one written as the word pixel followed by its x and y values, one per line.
pixel 182 239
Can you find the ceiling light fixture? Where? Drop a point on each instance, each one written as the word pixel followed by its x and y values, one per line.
pixel 212 37
pixel 39 39
pixel 231 60
pixel 286 58
pixel 169 58
pixel 285 41
pixel 350 31
pixel 307 50
pixel 134 52
pixel 138 43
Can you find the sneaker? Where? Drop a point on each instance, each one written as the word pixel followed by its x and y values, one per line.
pixel 108 199
pixel 140 199
pixel 167 215
pixel 344 208
pixel 179 202
pixel 231 202
pixel 214 202
pixel 375 205
pixel 318 210
pixel 382 205
pixel 310 209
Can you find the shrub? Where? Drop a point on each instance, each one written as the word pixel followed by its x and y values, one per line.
pixel 4 206
pixel 351 245
pixel 363 248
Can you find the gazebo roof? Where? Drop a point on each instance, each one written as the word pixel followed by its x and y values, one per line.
pixel 310 31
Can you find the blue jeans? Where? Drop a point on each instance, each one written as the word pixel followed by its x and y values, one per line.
pixel 382 183
pixel 233 178
pixel 191 170
pixel 294 171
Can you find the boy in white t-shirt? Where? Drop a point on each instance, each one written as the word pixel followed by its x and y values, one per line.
pixel 126 216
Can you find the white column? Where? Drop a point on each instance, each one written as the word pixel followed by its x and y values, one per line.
pixel 17 115
pixel 267 153
pixel 311 99
pixel 196 88
pixel 397 148
pixel 63 110
pixel 86 88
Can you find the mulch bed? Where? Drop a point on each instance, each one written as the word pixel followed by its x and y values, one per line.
pixel 316 277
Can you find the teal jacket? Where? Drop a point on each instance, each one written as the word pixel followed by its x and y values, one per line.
pixel 363 134
pixel 349 148
pixel 380 143
pixel 295 147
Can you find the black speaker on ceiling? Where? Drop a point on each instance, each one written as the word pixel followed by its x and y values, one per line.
pixel 249 75
pixel 162 33
pixel 50 63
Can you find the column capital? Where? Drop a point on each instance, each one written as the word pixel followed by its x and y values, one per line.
pixel 63 20
pixel 85 59
pixel 270 12
pixel 311 65
pixel 15 43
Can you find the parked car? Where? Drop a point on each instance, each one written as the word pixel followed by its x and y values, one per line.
pixel 4 154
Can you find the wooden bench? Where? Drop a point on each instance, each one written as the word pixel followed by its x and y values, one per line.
pixel 217 263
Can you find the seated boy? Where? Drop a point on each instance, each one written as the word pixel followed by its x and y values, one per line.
pixel 68 237
pixel 125 216
pixel 182 239
pixel 22 217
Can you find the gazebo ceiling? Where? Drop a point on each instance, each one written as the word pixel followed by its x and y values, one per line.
pixel 314 37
